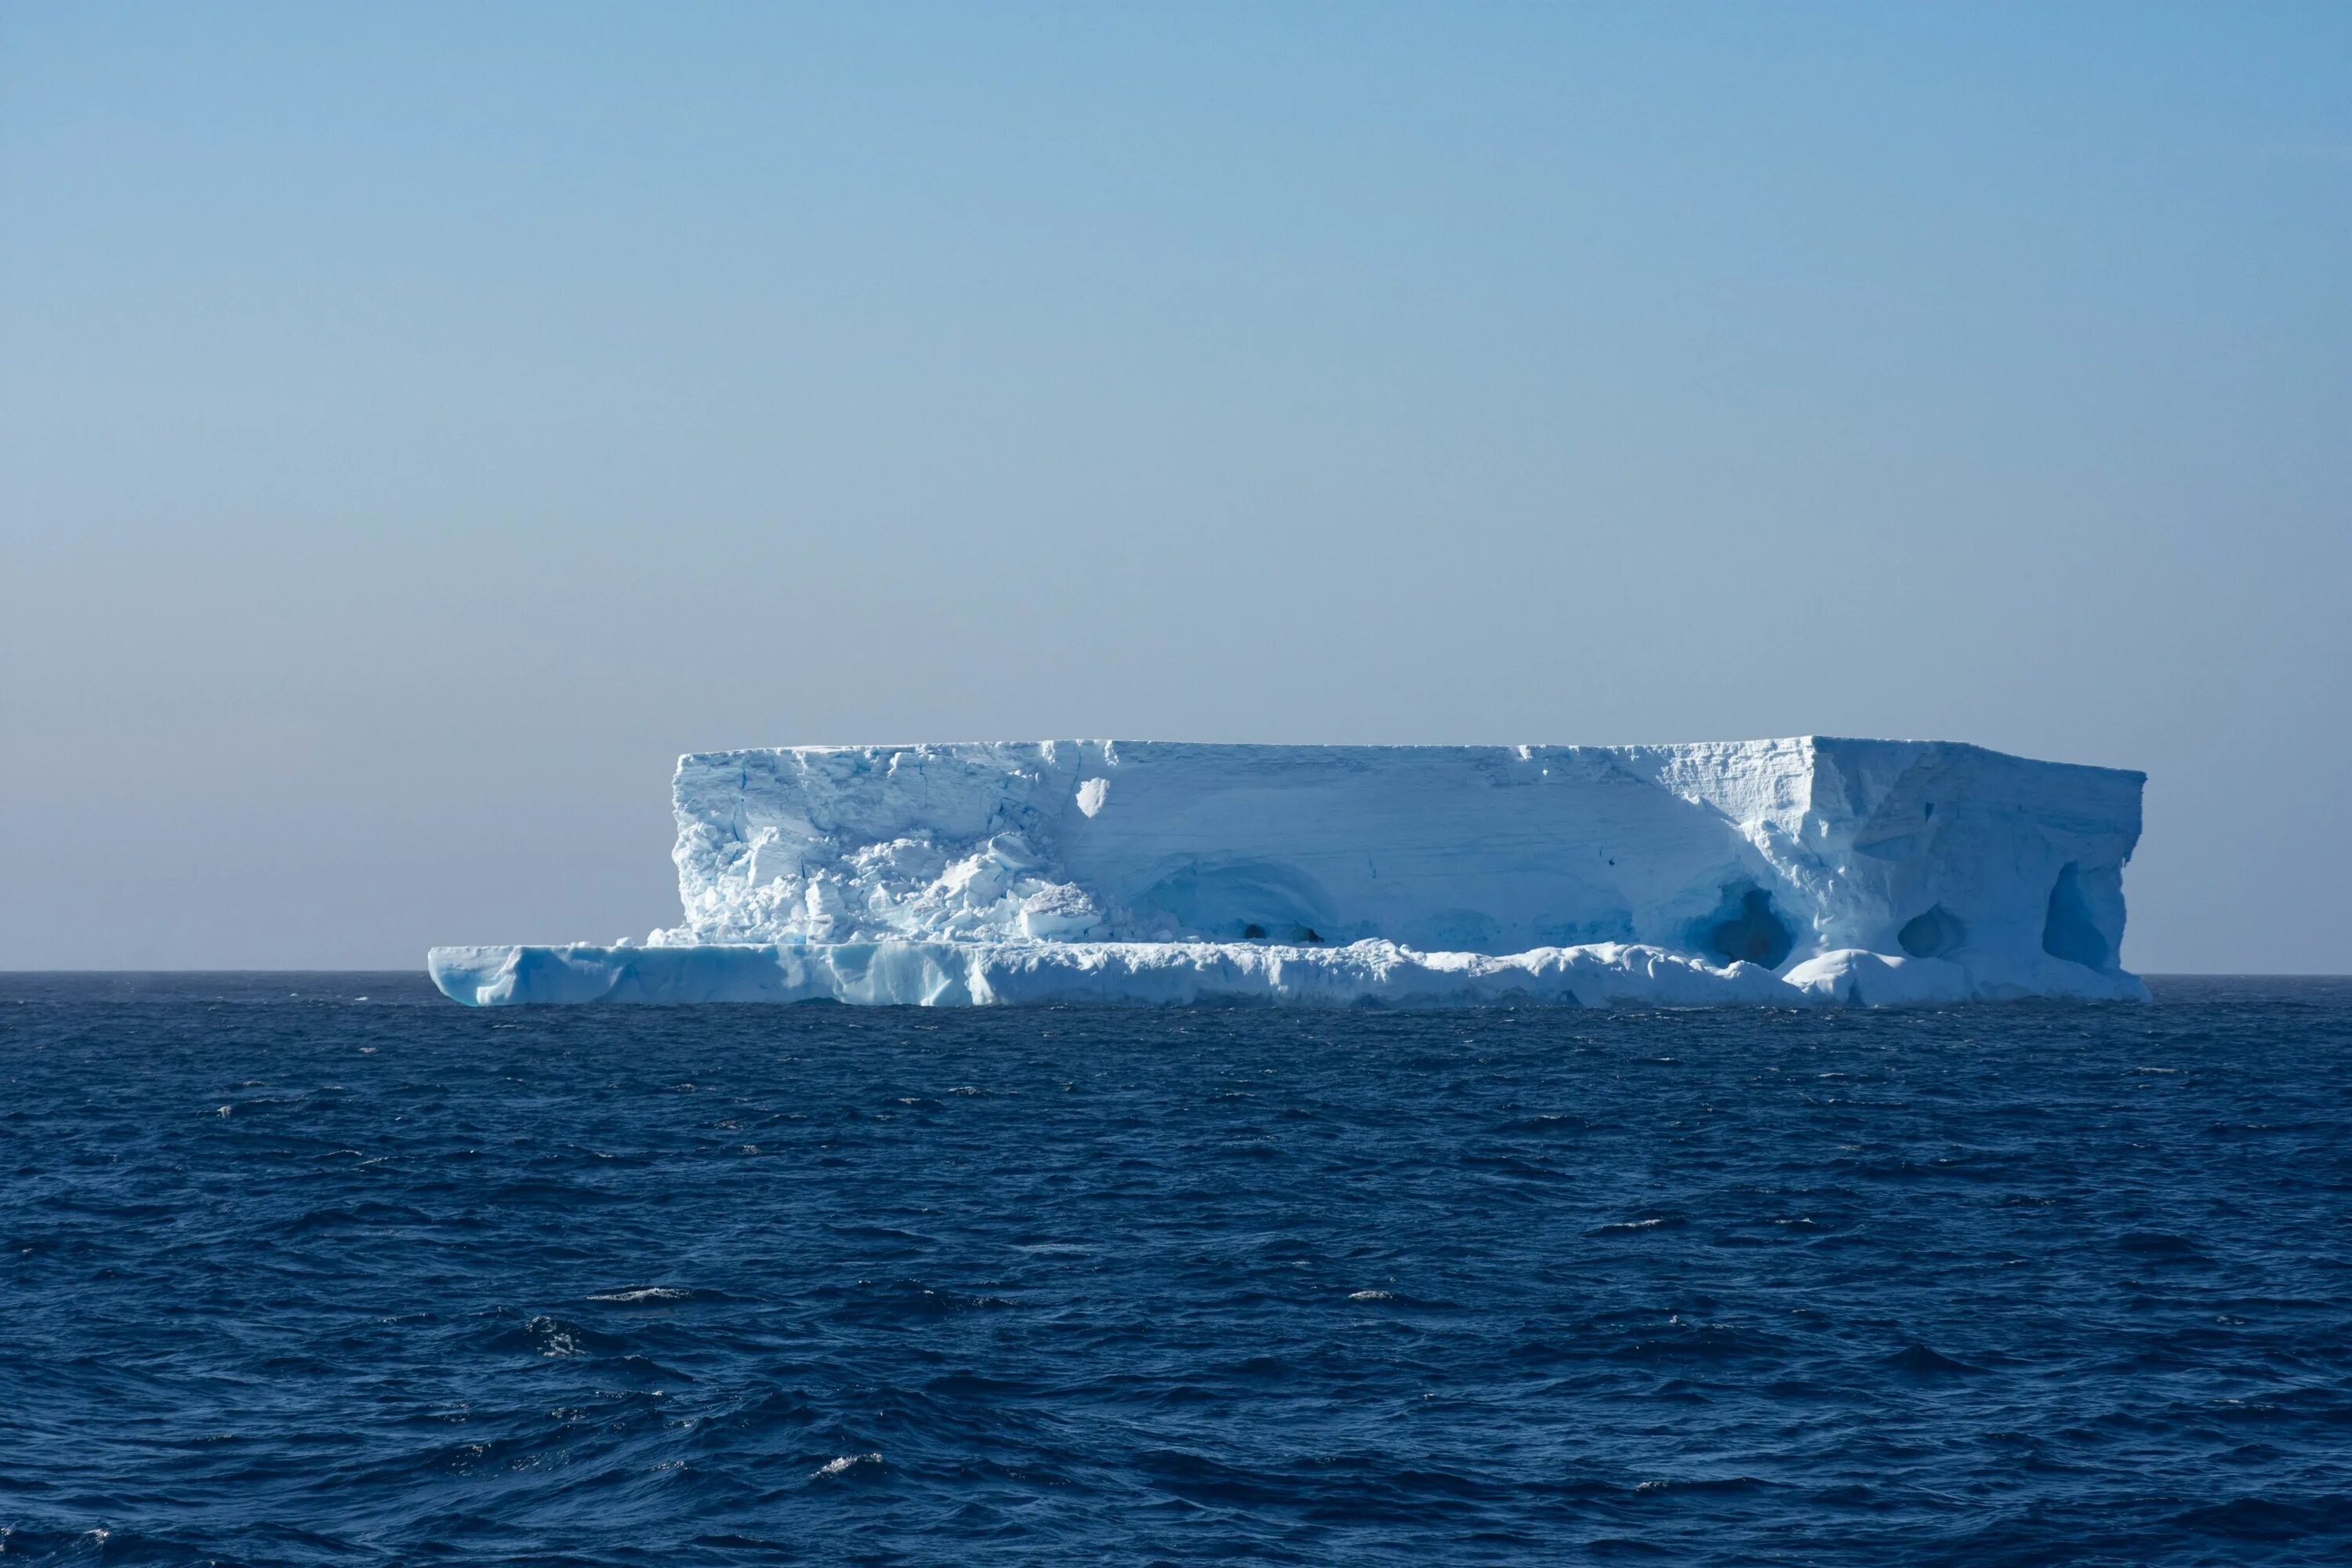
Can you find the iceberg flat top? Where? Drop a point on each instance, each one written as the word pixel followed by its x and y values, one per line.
pixel 1808 868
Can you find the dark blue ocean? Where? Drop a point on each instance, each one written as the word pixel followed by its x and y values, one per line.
pixel 323 1269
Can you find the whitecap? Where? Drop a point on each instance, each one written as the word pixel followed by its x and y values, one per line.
pixel 554 1338
pixel 845 1464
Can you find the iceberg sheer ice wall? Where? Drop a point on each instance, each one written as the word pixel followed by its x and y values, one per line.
pixel 1777 872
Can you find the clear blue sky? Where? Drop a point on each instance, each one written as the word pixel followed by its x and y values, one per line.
pixel 418 425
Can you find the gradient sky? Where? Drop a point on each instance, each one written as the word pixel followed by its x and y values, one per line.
pixel 419 425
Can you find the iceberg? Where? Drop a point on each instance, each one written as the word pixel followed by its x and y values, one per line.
pixel 1794 872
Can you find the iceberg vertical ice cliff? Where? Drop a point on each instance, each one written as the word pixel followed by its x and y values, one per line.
pixel 1766 872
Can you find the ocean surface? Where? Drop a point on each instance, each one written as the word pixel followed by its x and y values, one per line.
pixel 323 1269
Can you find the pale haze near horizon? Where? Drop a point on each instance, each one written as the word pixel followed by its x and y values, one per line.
pixel 418 425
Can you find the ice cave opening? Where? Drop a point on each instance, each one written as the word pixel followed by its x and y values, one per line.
pixel 1250 900
pixel 1747 928
pixel 2069 932
pixel 1932 934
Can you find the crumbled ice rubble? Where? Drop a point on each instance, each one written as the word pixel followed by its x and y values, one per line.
pixel 1793 872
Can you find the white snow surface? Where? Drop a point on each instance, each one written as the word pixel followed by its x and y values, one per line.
pixel 1793 871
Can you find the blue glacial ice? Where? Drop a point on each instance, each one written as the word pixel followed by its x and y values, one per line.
pixel 1789 872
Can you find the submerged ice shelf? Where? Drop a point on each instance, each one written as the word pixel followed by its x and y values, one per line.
pixel 1795 871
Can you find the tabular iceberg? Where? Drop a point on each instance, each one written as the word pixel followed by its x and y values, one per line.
pixel 1777 872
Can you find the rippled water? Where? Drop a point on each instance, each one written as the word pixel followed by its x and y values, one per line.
pixel 320 1269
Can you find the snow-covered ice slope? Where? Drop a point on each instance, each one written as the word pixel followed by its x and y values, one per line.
pixel 1796 871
